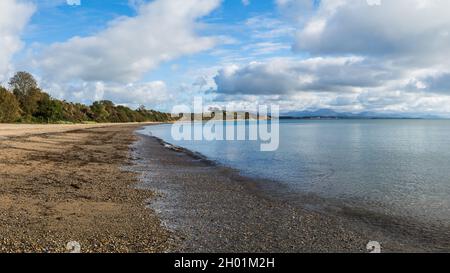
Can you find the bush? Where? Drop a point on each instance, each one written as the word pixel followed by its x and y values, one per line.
pixel 9 107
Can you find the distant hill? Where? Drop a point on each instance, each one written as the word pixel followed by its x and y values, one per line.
pixel 331 114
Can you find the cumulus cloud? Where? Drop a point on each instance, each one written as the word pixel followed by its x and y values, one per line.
pixel 14 16
pixel 288 76
pixel 353 55
pixel 375 100
pixel 349 84
pixel 413 29
pixel 151 94
pixel 131 46
pixel 435 82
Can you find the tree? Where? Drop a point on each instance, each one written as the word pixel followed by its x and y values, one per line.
pixel 22 83
pixel 26 102
pixel 9 106
pixel 99 112
pixel 30 102
pixel 49 110
pixel 26 90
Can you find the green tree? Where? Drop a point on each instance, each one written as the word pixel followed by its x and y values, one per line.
pixel 26 102
pixel 99 112
pixel 49 110
pixel 9 106
pixel 30 102
pixel 27 92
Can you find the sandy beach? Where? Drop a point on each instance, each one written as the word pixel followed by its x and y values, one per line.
pixel 114 190
pixel 61 183
pixel 14 130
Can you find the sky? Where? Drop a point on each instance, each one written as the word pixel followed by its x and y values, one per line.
pixel 383 56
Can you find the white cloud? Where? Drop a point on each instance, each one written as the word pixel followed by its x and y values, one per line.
pixel 14 16
pixel 363 55
pixel 73 2
pixel 131 46
pixel 265 48
pixel 135 4
pixel 151 94
pixel 353 55
pixel 148 93
pixel 350 84
pixel 405 30
pixel 265 27
pixel 289 76
pixel 370 100
pixel 296 10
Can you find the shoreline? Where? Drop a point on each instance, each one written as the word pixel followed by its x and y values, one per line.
pixel 212 208
pixel 114 189
pixel 58 187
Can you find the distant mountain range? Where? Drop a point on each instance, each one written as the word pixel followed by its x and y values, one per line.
pixel 331 114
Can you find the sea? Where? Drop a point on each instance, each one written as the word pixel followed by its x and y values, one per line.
pixel 384 171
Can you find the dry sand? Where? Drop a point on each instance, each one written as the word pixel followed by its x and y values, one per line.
pixel 8 130
pixel 58 187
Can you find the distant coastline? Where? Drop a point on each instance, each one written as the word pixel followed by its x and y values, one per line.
pixel 338 118
pixel 331 114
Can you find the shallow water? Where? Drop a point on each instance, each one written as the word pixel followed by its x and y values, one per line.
pixel 389 168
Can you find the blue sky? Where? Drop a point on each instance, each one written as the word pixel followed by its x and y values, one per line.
pixel 346 55
pixel 58 21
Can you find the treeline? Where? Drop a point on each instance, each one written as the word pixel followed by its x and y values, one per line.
pixel 25 102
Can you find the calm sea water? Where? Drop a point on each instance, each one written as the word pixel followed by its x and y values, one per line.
pixel 398 168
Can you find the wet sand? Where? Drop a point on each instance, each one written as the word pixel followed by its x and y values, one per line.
pixel 212 208
pixel 58 185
